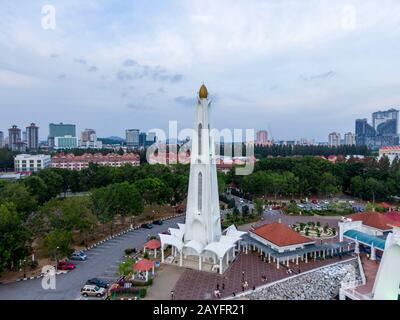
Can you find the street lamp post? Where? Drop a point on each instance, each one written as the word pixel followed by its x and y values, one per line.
pixel 55 257
pixel 24 268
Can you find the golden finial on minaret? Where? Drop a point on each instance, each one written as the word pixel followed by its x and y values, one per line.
pixel 203 93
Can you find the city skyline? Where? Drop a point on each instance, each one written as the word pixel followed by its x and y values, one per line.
pixel 275 66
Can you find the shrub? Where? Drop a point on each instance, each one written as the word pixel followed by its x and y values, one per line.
pixel 142 292
pixel 150 282
pixel 146 255
pixel 129 251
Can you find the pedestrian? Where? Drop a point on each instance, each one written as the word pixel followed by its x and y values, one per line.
pixel 234 294
pixel 223 286
pixel 217 286
pixel 172 294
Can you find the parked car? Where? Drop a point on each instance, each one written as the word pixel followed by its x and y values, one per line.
pixel 158 222
pixel 147 226
pixel 94 291
pixel 65 265
pixel 98 282
pixel 78 255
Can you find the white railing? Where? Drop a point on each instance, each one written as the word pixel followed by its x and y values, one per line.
pixel 360 267
pixel 349 289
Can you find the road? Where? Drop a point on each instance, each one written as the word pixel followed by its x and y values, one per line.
pixel 102 263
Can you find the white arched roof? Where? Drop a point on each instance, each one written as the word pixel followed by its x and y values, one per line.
pixel 232 231
pixel 167 239
pixel 219 248
pixel 176 233
pixel 195 245
pixel 229 239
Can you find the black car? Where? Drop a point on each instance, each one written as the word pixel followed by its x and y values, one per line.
pixel 158 222
pixel 98 282
pixel 147 226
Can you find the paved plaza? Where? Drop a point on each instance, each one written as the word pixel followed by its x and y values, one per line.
pixel 199 285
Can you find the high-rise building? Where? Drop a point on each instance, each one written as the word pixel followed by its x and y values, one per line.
pixel 334 139
pixel 14 139
pixel 132 137
pixel 349 139
pixel 385 122
pixel 88 135
pixel 65 142
pixel 146 139
pixel 364 132
pixel 60 130
pixel 1 139
pixel 262 137
pixel 32 137
pixel 383 132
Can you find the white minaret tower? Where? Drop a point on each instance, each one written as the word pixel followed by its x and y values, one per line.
pixel 203 223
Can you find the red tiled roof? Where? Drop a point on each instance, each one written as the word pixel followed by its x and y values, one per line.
pixel 280 234
pixel 396 148
pixel 97 157
pixel 375 219
pixel 143 265
pixel 152 244
pixel 393 215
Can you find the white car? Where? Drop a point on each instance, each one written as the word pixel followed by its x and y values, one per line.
pixel 94 291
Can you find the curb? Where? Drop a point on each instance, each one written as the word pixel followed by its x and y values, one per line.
pixel 40 276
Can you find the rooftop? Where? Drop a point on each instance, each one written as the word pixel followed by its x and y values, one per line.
pixel 280 234
pixel 375 220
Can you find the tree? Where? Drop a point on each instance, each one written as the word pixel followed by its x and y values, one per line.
pixel 125 267
pixel 375 189
pixel 329 184
pixel 18 194
pixel 13 237
pixel 259 206
pixel 245 210
pixel 153 190
pixel 37 187
pixel 357 186
pixel 53 181
pixel 125 199
pixel 57 244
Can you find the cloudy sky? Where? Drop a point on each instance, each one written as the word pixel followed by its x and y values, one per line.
pixel 297 68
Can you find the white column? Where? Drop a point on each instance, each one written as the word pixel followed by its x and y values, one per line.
pixel 297 260
pixel 147 275
pixel 180 259
pixel 200 262
pixel 220 266
pixel 373 252
pixel 287 262
pixel 306 257
pixel 162 253
pixel 357 248
pixel 269 258
pixel 277 263
pixel 155 253
pixel 227 258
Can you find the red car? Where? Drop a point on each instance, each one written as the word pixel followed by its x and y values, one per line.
pixel 64 265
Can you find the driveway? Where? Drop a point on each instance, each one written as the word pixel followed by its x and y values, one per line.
pixel 102 263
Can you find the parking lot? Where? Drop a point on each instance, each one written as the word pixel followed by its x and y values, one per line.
pixel 102 263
